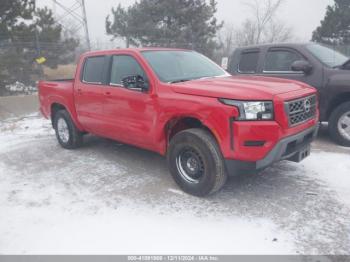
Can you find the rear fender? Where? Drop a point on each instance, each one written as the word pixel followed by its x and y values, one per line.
pixel 69 106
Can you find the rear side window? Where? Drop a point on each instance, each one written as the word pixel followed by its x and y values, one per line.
pixel 248 63
pixel 93 70
pixel 280 60
pixel 123 66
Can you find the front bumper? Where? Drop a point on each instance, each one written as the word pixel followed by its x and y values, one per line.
pixel 293 148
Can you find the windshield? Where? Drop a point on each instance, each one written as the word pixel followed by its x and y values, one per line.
pixel 180 66
pixel 327 56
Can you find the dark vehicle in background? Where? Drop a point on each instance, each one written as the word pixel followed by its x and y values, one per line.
pixel 321 67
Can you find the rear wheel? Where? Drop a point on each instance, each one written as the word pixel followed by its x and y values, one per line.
pixel 339 124
pixel 67 134
pixel 196 163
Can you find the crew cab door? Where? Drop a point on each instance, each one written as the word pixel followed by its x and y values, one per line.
pixel 88 93
pixel 278 63
pixel 129 113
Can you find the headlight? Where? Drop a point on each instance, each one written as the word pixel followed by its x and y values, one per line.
pixel 251 110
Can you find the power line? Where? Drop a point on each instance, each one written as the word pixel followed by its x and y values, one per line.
pixel 77 12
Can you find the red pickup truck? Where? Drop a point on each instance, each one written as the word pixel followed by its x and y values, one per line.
pixel 182 105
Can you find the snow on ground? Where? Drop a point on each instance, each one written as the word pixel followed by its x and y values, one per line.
pixel 333 169
pixel 54 231
pixel 111 199
pixel 19 87
pixel 46 218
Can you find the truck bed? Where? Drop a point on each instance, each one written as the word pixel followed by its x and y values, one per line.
pixel 58 90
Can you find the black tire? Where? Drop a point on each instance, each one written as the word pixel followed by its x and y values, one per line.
pixel 75 137
pixel 198 145
pixel 334 121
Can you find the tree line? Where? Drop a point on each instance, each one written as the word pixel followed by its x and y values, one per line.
pixel 26 34
pixel 29 33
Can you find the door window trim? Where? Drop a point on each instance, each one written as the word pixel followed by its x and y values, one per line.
pixel 258 51
pixel 290 72
pixel 120 85
pixel 83 70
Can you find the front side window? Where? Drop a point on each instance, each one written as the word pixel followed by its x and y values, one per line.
pixel 178 66
pixel 248 63
pixel 123 66
pixel 281 60
pixel 93 70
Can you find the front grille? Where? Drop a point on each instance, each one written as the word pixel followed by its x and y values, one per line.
pixel 301 110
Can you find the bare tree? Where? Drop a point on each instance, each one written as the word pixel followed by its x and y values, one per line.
pixel 264 12
pixel 227 39
pixel 277 31
pixel 261 27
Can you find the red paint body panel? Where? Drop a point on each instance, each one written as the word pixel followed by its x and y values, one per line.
pixel 239 88
pixel 142 119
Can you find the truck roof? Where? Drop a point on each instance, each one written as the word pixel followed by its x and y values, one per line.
pixel 275 44
pixel 103 52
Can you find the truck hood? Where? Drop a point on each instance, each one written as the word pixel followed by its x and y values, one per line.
pixel 239 87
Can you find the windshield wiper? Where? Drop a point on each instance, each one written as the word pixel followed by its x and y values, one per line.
pixel 196 78
pixel 180 81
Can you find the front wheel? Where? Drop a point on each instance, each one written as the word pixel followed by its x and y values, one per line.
pixel 67 134
pixel 339 124
pixel 196 163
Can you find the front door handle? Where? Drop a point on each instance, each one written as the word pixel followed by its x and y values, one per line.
pixel 107 93
pixel 80 92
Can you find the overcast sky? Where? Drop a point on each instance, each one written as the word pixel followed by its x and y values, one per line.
pixel 302 15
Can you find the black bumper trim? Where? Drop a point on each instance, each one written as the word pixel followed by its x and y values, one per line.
pixel 281 151
pixel 231 120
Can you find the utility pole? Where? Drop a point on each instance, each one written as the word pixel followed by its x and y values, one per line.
pixel 75 11
pixel 86 28
pixel 37 42
pixel 54 7
pixel 38 52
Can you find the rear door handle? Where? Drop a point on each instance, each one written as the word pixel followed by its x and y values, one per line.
pixel 108 93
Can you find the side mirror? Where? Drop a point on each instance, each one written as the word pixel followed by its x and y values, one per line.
pixel 135 82
pixel 302 66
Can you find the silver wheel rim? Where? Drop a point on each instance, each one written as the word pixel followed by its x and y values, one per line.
pixel 62 130
pixel 190 165
pixel 344 125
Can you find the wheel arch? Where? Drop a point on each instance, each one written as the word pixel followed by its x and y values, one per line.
pixel 337 101
pixel 178 124
pixel 58 104
pixel 54 108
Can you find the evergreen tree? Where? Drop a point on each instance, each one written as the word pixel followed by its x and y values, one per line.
pixel 27 33
pixel 177 23
pixel 335 27
pixel 10 14
pixel 11 11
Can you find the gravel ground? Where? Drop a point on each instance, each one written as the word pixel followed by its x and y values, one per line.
pixel 110 198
